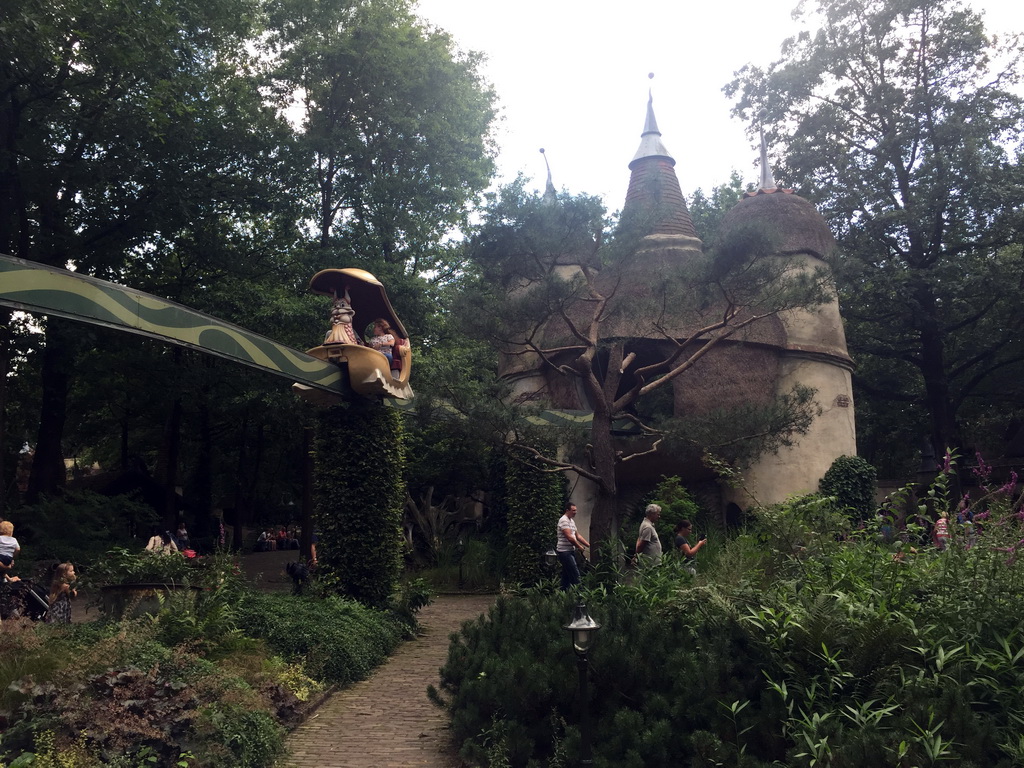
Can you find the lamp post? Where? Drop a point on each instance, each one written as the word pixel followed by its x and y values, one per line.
pixel 550 561
pixel 460 552
pixel 581 630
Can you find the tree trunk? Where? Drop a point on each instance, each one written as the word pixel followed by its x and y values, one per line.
pixel 308 462
pixel 256 469
pixel 202 484
pixel 48 473
pixel 945 431
pixel 126 418
pixel 167 466
pixel 604 515
pixel 243 515
pixel 603 391
pixel 5 367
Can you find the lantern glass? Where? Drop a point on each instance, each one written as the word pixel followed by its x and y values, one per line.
pixel 581 629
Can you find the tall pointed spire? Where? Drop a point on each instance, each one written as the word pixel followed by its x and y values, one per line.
pixel 767 180
pixel 654 199
pixel 767 185
pixel 550 195
pixel 651 144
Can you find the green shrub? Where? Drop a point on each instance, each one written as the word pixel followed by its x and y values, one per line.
pixel 238 738
pixel 827 648
pixel 511 668
pixel 121 685
pixel 123 566
pixel 79 526
pixel 339 640
pixel 851 480
pixel 413 595
pixel 473 566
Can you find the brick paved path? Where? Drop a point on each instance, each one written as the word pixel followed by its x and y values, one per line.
pixel 387 721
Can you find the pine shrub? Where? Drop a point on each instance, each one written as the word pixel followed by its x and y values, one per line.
pixel 338 640
pixel 824 645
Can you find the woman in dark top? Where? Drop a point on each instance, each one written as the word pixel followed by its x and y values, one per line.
pixel 683 531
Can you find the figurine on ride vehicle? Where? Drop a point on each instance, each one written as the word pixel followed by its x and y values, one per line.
pixel 380 367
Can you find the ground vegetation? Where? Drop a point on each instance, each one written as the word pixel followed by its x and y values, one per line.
pixel 207 678
pixel 808 640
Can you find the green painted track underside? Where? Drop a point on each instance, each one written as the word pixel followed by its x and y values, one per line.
pixel 44 290
pixel 39 289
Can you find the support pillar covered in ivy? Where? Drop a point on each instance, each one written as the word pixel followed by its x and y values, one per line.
pixel 359 464
pixel 533 498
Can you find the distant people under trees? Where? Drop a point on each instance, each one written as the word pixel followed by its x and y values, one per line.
pixel 161 542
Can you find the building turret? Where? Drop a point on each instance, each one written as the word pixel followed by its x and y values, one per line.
pixel 654 201
pixel 811 350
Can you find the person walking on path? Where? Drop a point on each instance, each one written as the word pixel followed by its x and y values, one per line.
pixel 569 540
pixel 683 531
pixel 648 544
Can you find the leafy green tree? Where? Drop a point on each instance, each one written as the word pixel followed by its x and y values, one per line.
pixel 395 139
pixel 707 210
pixel 902 120
pixel 127 133
pixel 394 143
pixel 558 287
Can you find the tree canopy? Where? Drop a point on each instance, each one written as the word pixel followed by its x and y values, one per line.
pixel 151 144
pixel 395 138
pixel 902 120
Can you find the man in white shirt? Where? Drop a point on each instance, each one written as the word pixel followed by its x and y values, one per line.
pixel 569 540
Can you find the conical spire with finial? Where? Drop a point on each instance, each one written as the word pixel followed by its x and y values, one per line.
pixel 654 196
pixel 550 195
pixel 767 180
pixel 651 144
pixel 767 185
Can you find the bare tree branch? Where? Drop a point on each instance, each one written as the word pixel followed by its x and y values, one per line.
pixel 557 466
pixel 652 449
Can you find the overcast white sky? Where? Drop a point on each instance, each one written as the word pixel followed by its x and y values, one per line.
pixel 571 76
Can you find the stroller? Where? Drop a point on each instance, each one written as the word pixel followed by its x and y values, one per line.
pixel 23 598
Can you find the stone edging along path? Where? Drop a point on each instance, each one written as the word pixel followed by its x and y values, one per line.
pixel 387 721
